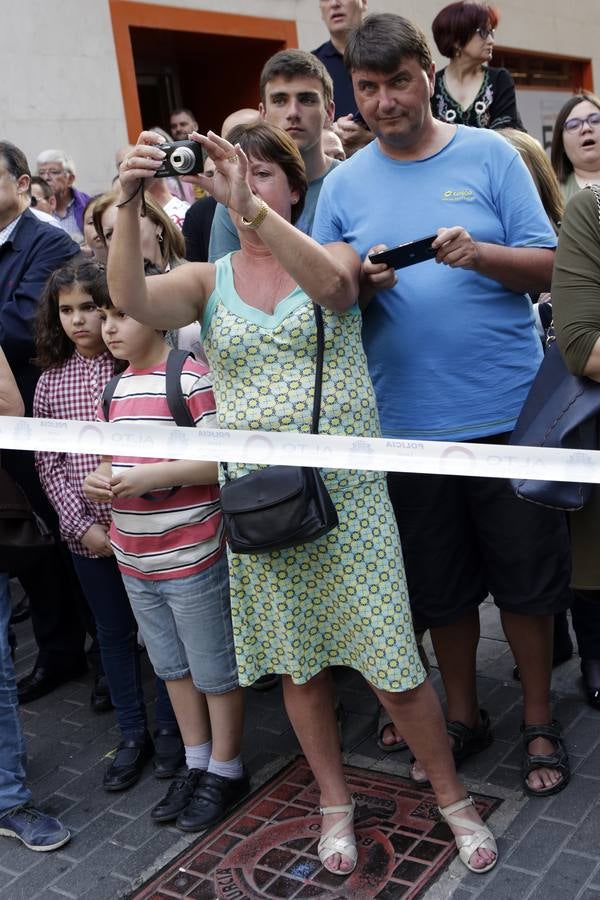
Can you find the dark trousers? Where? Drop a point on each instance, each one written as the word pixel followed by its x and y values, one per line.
pixel 116 629
pixel 59 614
pixel 585 612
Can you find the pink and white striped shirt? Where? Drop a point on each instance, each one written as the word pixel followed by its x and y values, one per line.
pixel 180 534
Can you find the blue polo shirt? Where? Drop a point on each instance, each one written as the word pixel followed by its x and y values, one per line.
pixel 452 353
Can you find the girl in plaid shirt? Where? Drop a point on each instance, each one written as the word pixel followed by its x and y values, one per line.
pixel 77 367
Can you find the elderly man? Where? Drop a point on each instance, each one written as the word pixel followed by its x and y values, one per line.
pixel 58 169
pixel 452 351
pixel 181 123
pixel 296 94
pixel 29 252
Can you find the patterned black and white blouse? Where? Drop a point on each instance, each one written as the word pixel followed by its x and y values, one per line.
pixel 495 105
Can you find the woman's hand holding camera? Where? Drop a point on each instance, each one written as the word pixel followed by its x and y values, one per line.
pixel 229 184
pixel 141 162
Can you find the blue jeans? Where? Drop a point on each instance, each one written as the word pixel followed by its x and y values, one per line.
pixel 186 625
pixel 105 593
pixel 13 791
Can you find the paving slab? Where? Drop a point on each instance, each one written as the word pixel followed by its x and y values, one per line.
pixel 548 847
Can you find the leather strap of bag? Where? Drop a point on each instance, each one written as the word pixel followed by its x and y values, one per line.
pixel 316 413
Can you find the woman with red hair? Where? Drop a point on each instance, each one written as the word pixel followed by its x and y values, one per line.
pixel 467 91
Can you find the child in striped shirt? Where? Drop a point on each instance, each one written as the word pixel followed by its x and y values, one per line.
pixel 167 535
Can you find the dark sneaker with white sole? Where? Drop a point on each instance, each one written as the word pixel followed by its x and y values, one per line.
pixel 181 791
pixel 33 828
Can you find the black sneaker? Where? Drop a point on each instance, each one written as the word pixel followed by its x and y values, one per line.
pixel 213 799
pixel 128 763
pixel 100 700
pixel 177 797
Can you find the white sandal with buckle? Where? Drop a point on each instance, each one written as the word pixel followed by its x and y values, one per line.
pixel 480 838
pixel 330 843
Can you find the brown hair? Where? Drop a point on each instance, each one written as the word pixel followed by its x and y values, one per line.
pixel 455 24
pixel 535 158
pixel 560 161
pixel 290 64
pixel 272 144
pixel 172 248
pixel 382 41
pixel 53 347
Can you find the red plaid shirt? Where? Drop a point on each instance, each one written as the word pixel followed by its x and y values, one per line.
pixel 72 391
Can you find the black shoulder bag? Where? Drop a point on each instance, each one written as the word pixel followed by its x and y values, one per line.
pixel 280 506
pixel 23 534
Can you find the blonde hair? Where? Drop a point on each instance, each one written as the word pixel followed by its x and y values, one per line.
pixel 535 158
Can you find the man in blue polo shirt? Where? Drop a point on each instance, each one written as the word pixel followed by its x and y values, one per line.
pixel 452 351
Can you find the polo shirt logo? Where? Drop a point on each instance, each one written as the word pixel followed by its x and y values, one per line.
pixel 464 194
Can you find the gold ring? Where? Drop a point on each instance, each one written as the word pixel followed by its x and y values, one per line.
pixel 233 158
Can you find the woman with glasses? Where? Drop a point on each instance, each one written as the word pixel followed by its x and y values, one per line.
pixel 575 150
pixel 575 156
pixel 467 91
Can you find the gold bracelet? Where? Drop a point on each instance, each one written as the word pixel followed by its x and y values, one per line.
pixel 259 218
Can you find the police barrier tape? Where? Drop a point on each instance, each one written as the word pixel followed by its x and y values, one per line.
pixel 293 448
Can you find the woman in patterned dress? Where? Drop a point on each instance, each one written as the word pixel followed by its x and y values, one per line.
pixel 341 600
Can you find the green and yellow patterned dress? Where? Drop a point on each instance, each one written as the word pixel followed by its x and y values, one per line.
pixel 341 600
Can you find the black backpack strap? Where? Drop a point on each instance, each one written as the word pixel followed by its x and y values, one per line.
pixel 176 401
pixel 108 394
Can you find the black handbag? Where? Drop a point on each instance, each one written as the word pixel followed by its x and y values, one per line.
pixel 280 506
pixel 560 411
pixel 23 534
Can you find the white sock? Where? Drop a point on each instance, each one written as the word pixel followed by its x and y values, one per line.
pixel 197 757
pixel 233 768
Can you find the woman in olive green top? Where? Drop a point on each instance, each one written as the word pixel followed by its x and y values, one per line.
pixel 576 308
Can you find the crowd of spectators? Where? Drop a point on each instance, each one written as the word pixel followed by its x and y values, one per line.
pixel 197 300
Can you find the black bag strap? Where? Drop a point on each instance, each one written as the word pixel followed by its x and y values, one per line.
pixel 316 414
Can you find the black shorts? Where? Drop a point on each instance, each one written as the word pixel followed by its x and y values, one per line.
pixel 465 537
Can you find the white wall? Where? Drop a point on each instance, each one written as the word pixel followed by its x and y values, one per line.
pixel 60 85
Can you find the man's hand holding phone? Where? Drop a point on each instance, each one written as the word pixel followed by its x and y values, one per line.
pixel 456 248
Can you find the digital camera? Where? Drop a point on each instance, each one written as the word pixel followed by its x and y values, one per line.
pixel 182 158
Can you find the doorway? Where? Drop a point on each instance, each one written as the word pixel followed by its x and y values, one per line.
pixel 209 62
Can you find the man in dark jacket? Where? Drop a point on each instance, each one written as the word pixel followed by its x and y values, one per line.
pixel 29 251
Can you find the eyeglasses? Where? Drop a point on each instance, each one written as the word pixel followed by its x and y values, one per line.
pixel 576 124
pixel 485 33
pixel 52 173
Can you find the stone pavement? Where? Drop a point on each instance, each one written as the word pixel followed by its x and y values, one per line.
pixel 549 848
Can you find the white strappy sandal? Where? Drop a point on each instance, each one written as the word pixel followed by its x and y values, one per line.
pixel 330 843
pixel 480 838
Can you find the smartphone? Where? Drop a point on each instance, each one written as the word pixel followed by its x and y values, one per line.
pixel 407 254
